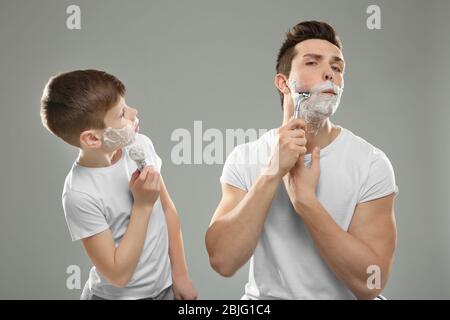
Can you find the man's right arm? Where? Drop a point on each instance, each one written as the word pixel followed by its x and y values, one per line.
pixel 237 224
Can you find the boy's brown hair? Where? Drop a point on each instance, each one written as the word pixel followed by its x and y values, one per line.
pixel 300 32
pixel 76 101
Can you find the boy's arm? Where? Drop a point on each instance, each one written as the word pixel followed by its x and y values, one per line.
pixel 182 284
pixel 117 265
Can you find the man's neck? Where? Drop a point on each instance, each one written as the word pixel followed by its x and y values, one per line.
pixel 325 135
pixel 98 158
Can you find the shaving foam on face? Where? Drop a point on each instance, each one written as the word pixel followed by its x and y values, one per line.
pixel 315 106
pixel 120 138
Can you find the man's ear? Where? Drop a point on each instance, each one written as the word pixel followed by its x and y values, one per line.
pixel 281 82
pixel 90 139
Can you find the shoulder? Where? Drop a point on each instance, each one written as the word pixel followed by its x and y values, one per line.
pixel 75 196
pixel 357 142
pixel 78 187
pixel 81 179
pixel 374 161
pixel 149 150
pixel 142 138
pixel 88 184
pixel 72 181
pixel 359 147
pixel 245 153
pixel 76 202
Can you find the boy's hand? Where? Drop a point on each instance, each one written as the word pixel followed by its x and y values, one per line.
pixel 145 186
pixel 183 289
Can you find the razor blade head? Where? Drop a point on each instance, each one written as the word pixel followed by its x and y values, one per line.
pixel 305 94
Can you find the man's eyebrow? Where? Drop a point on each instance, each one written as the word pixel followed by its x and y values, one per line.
pixel 320 57
pixel 337 59
pixel 313 55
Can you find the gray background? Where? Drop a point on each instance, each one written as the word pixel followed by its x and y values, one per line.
pixel 214 61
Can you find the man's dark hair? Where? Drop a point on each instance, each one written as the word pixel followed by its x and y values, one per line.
pixel 300 32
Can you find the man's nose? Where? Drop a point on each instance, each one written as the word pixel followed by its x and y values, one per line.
pixel 328 74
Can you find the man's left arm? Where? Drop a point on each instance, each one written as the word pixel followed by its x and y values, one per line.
pixel 370 241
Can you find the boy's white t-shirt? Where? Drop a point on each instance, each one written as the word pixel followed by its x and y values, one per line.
pixel 97 199
pixel 286 264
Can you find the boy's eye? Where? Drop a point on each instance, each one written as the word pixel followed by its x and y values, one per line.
pixel 311 63
pixel 336 69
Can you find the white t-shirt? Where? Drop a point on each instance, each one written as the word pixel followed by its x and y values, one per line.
pixel 96 199
pixel 286 264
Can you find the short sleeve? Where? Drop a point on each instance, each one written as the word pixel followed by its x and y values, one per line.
pixel 152 152
pixel 233 170
pixel 380 180
pixel 83 214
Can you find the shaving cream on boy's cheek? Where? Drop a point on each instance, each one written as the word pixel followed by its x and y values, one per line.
pixel 120 138
pixel 315 106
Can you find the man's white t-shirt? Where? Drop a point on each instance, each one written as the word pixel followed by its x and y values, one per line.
pixel 286 264
pixel 97 199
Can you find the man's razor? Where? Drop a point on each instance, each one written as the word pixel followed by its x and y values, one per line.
pixel 302 96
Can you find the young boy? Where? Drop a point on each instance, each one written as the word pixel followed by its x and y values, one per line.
pixel 125 217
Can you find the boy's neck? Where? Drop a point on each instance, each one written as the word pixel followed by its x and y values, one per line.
pixel 98 158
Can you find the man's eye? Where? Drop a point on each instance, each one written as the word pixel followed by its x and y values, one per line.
pixel 337 69
pixel 311 63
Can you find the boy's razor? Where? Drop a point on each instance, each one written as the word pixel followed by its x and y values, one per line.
pixel 137 153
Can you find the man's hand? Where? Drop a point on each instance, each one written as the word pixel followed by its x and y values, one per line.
pixel 183 289
pixel 290 146
pixel 301 181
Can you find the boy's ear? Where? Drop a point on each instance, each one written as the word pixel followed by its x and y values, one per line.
pixel 281 82
pixel 90 139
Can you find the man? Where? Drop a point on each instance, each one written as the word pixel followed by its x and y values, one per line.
pixel 316 216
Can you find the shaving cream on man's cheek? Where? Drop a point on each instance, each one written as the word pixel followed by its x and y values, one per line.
pixel 120 138
pixel 315 106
